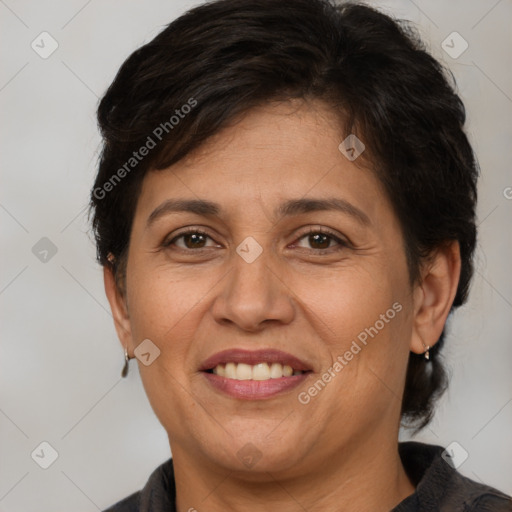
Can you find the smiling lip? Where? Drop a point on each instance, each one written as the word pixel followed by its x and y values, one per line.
pixel 254 389
pixel 253 357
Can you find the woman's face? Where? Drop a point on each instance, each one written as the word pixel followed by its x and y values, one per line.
pixel 297 260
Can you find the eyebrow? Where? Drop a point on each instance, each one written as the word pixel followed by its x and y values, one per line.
pixel 287 209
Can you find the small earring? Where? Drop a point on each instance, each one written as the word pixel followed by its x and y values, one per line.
pixel 124 372
pixel 426 353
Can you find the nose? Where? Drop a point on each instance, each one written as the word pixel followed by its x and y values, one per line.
pixel 254 294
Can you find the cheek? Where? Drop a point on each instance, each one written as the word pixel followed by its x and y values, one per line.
pixel 161 301
pixel 348 302
pixel 363 319
pixel 169 308
pixel 166 309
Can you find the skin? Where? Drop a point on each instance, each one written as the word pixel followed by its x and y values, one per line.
pixel 339 451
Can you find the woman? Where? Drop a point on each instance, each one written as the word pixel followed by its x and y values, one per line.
pixel 285 214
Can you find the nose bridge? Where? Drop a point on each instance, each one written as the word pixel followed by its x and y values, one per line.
pixel 252 274
pixel 252 292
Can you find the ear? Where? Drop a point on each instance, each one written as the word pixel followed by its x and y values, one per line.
pixel 434 295
pixel 119 309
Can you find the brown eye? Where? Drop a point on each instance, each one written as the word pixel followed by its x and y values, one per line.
pixel 319 241
pixel 194 240
pixel 190 240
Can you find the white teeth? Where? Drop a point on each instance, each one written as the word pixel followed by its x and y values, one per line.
pixel 231 371
pixel 243 371
pixel 287 370
pixel 261 371
pixel 276 371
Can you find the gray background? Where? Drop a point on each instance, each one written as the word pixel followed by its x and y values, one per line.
pixel 60 358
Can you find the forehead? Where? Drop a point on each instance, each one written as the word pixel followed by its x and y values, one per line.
pixel 272 153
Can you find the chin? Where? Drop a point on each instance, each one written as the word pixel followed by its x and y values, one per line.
pixel 256 456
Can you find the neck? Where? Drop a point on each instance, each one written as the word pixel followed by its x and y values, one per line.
pixel 370 477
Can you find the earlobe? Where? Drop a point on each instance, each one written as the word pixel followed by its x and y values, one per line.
pixel 434 295
pixel 119 308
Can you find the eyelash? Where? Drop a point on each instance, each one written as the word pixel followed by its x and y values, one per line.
pixel 342 244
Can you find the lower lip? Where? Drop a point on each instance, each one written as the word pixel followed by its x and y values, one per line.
pixel 254 389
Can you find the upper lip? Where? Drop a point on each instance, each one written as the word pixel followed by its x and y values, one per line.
pixel 254 357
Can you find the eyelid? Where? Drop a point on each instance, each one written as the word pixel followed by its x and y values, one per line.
pixel 168 240
pixel 342 241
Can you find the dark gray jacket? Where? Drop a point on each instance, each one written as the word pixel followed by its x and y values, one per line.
pixel 439 487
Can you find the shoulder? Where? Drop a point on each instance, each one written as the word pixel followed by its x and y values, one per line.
pixel 472 496
pixel 159 493
pixel 439 486
pixel 128 504
pixel 491 502
pixel 478 497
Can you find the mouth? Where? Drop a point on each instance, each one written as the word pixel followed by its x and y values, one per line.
pixel 255 374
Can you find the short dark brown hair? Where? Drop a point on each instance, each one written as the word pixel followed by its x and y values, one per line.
pixel 223 58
